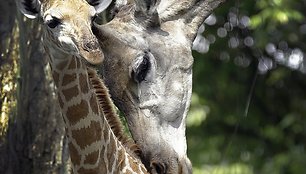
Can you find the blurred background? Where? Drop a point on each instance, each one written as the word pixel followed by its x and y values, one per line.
pixel 248 112
pixel 248 109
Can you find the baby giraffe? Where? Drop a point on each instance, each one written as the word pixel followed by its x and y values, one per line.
pixel 96 142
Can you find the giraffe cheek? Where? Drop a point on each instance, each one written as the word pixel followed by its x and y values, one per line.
pixel 68 45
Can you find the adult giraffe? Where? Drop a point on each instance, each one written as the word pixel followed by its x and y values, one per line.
pixel 148 69
pixel 87 111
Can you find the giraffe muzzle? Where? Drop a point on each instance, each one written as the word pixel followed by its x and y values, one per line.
pixel 91 46
pixel 92 52
pixel 170 165
pixel 166 161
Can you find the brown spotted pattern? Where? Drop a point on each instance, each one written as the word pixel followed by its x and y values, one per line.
pixel 68 78
pixel 93 146
pixel 75 156
pixel 77 112
pixel 92 158
pixel 70 92
pixel 87 135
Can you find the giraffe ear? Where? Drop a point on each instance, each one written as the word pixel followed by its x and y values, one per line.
pixel 99 5
pixel 30 8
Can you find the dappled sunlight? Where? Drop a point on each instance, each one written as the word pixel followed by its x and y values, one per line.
pixel 264 65
pixel 291 58
pixel 8 82
pixel 276 53
pixel 4 118
pixel 295 59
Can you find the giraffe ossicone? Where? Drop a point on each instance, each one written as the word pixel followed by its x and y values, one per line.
pixel 90 120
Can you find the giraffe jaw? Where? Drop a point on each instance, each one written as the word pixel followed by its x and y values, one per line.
pixel 162 152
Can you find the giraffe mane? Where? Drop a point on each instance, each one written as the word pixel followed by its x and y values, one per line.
pixel 107 106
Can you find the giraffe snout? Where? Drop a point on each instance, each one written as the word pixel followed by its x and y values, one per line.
pixel 91 51
pixel 158 167
pixel 169 163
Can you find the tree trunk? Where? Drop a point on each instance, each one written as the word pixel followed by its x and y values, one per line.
pixel 35 141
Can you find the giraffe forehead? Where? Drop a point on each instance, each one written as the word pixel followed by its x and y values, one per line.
pixel 70 9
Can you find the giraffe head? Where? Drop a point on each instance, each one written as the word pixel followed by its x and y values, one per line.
pixel 148 69
pixel 67 25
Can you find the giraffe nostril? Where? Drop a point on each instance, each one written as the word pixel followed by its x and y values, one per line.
pixel 158 167
pixel 91 46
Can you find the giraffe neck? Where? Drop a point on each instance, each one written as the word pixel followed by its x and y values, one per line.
pixel 93 146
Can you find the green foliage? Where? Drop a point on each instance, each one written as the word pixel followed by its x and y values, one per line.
pixel 197 113
pixel 248 112
pixel 274 12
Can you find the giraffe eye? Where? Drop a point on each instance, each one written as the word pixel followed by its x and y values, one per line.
pixel 141 68
pixel 53 22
